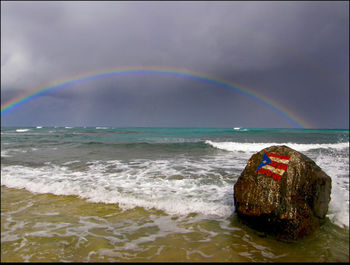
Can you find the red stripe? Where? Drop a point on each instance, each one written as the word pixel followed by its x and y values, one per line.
pixel 278 156
pixel 269 173
pixel 278 165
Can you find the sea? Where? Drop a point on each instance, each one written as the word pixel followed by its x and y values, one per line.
pixel 104 194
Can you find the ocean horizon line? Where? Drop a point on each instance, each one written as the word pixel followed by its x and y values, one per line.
pixel 165 127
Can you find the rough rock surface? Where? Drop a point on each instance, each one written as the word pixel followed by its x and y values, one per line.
pixel 290 208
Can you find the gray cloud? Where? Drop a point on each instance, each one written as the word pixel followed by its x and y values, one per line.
pixel 294 53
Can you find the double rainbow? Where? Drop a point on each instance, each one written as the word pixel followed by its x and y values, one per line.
pixel 22 99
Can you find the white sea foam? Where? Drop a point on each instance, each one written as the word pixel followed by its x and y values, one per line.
pixel 22 130
pixel 67 163
pixel 177 186
pixel 337 168
pixel 5 153
pixel 148 184
pixel 39 127
pixel 256 147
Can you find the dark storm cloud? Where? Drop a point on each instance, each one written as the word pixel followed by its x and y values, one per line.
pixel 295 53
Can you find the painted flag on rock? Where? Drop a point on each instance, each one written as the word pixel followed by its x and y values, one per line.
pixel 273 165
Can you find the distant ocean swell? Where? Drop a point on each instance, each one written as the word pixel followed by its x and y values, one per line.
pixel 182 144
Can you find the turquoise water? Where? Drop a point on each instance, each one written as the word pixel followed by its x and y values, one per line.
pixel 179 181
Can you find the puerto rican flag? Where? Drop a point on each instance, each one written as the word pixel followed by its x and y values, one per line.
pixel 273 165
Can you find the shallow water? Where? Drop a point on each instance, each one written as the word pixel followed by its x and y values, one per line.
pixel 46 227
pixel 104 194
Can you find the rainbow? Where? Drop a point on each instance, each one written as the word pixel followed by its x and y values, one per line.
pixel 22 99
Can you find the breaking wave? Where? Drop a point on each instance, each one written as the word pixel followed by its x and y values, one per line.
pixel 256 147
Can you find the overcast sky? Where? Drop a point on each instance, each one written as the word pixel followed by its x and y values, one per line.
pixel 293 53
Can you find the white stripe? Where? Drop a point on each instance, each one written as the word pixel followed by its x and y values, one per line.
pixel 279 160
pixel 278 171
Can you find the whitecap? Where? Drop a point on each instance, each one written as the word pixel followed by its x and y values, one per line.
pixel 22 130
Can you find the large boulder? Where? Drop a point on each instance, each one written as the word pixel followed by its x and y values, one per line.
pixel 282 192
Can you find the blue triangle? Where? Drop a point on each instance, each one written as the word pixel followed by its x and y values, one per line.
pixel 265 161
